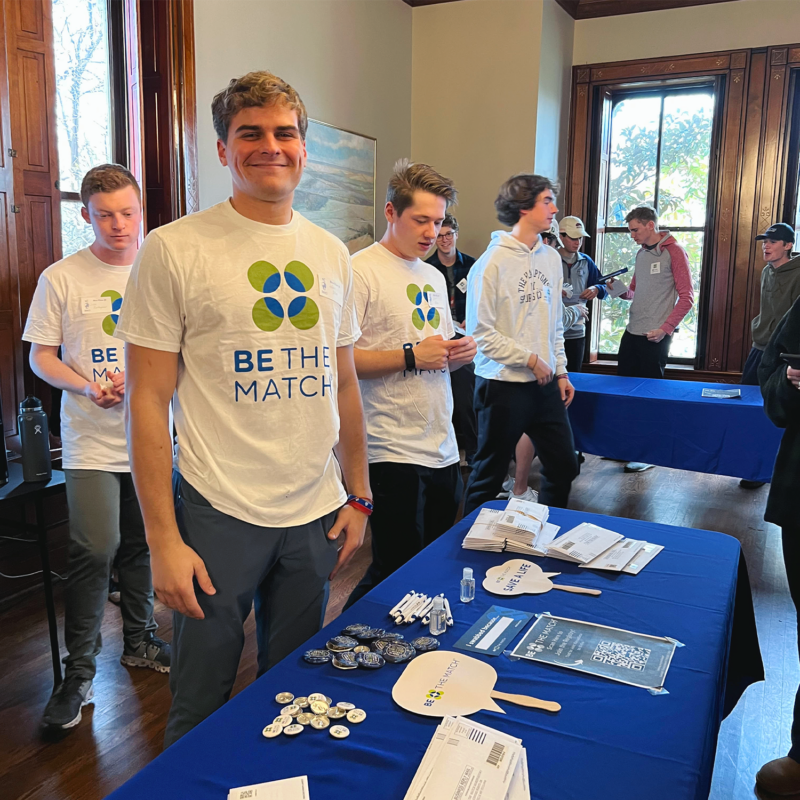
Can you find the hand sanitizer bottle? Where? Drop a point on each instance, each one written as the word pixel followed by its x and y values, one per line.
pixel 438 618
pixel 467 586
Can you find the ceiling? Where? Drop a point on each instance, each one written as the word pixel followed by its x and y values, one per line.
pixel 589 9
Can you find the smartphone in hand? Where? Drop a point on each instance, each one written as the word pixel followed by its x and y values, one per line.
pixel 791 359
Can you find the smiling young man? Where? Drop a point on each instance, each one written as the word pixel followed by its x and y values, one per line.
pixel 75 308
pixel 245 312
pixel 404 358
pixel 515 313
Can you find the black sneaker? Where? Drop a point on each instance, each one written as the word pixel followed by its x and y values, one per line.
pixel 63 710
pixel 153 653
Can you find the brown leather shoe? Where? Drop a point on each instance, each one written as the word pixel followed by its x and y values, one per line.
pixel 780 777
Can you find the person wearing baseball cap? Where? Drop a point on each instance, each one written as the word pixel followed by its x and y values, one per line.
pixel 582 274
pixel 780 287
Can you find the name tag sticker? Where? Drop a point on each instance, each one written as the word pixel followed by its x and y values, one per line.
pixel 95 305
pixel 655 268
pixel 436 299
pixel 332 290
pixel 462 285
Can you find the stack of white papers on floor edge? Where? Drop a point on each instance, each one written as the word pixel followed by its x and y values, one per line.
pixel 288 789
pixel 521 527
pixel 468 760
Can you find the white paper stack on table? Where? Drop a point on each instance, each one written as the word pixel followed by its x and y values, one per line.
pixel 468 760
pixel 521 527
pixel 288 789
pixel 594 547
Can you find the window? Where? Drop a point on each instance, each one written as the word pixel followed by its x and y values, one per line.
pixel 83 106
pixel 658 153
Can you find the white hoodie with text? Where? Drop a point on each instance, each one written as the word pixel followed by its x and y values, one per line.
pixel 514 309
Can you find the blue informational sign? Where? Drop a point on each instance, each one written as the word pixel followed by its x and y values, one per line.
pixel 494 630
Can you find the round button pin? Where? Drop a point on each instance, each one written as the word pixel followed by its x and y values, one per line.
pixel 340 644
pixel 371 634
pixel 283 720
pixel 293 730
pixel 301 701
pixel 353 630
pixel 370 660
pixel 425 644
pixel 345 706
pixel 304 719
pixel 356 715
pixel 399 652
pixel 271 731
pixel 319 707
pixel 336 713
pixel 345 660
pixel 362 648
pixel 317 657
pixel 292 710
pixel 339 731
pixel 284 698
pixel 320 723
pixel 316 696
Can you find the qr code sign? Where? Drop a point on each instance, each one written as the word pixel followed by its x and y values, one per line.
pixel 621 655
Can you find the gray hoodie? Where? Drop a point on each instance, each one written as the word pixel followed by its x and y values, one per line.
pixel 514 309
pixel 779 289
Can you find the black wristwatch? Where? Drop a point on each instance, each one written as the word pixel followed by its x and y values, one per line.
pixel 411 360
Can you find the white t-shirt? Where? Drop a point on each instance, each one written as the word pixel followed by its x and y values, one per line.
pixel 76 306
pixel 408 414
pixel 256 312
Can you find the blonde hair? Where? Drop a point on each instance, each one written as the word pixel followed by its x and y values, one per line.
pixel 255 90
pixel 408 178
pixel 107 178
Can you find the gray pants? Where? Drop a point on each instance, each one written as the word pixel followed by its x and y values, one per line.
pixel 283 571
pixel 104 521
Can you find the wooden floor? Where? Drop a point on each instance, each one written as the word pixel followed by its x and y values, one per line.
pixel 123 730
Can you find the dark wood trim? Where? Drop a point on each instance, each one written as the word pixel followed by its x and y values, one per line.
pixel 120 118
pixel 570 6
pixel 752 174
pixel 418 3
pixel 673 372
pixel 591 9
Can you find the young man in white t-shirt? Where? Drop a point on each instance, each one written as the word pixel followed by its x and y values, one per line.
pixel 76 307
pixel 515 313
pixel 404 358
pixel 245 313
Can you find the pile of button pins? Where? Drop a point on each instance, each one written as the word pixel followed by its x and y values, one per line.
pixel 370 648
pixel 315 711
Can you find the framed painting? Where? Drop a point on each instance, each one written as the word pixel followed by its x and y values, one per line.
pixel 337 191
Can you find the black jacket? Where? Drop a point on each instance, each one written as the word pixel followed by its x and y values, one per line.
pixel 782 404
pixel 458 299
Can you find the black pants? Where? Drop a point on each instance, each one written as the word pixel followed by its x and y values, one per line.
pixel 507 410
pixel 574 349
pixel 464 422
pixel 641 358
pixel 790 537
pixel 413 506
pixel 750 371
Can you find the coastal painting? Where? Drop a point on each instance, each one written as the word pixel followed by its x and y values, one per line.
pixel 337 191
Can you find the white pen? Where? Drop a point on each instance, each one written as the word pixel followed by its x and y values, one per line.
pixel 447 610
pixel 412 609
pixel 420 610
pixel 406 605
pixel 426 609
pixel 397 607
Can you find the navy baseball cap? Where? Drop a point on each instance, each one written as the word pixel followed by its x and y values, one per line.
pixel 779 232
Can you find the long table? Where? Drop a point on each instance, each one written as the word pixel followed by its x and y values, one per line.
pixel 670 423
pixel 609 741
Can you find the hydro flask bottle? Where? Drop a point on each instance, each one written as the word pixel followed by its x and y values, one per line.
pixel 35 440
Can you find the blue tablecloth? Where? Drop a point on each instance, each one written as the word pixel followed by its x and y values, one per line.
pixel 609 741
pixel 671 424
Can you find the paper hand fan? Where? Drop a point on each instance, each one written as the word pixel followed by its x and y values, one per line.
pixel 445 683
pixel 524 577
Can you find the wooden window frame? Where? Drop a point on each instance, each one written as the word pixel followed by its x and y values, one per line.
pixel 748 186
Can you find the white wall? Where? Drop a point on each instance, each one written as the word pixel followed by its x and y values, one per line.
pixel 350 60
pixel 555 83
pixel 698 29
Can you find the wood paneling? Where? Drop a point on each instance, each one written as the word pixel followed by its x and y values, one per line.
pixel 748 175
pixel 589 9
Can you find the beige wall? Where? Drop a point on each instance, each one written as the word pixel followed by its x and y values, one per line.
pixel 699 29
pixel 475 82
pixel 555 83
pixel 350 60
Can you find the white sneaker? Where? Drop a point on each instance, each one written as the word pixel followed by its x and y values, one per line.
pixel 531 495
pixel 508 488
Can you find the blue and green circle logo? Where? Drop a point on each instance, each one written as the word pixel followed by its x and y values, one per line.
pixel 419 316
pixel 268 312
pixel 110 322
